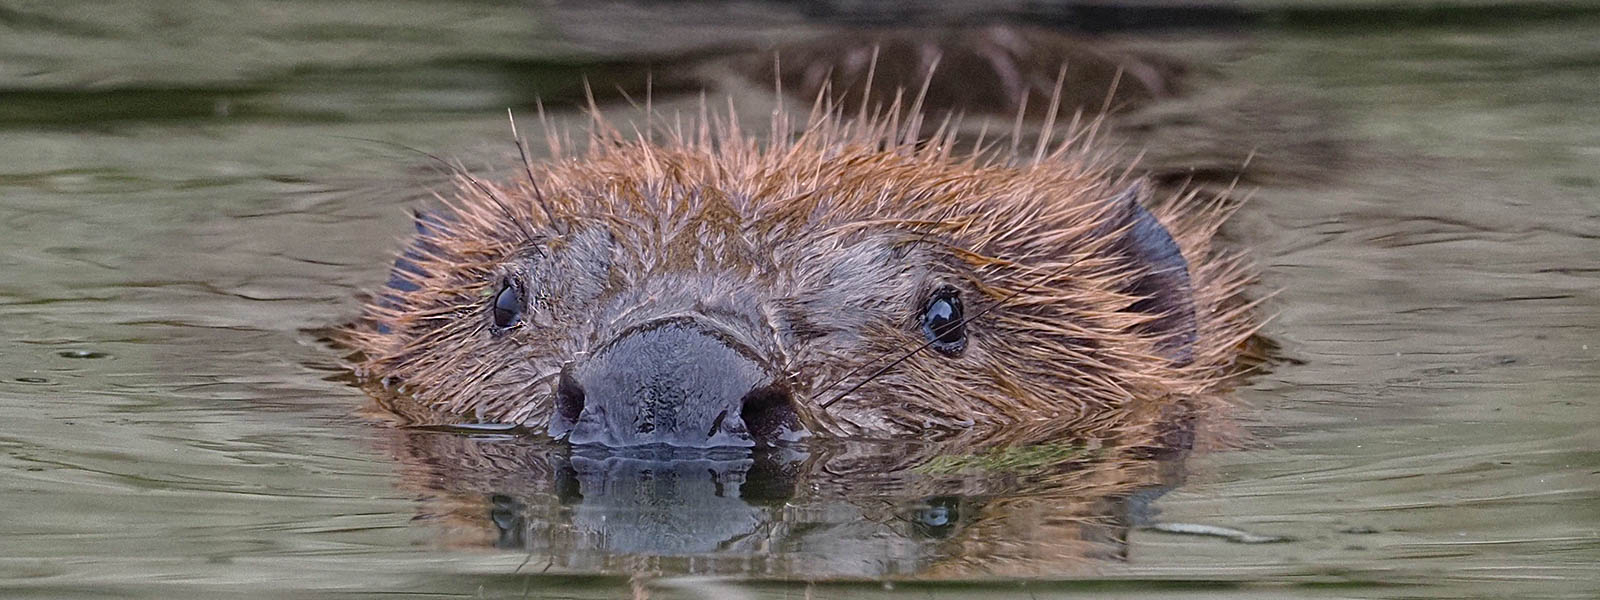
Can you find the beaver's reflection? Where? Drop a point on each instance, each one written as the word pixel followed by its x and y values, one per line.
pixel 660 505
pixel 837 511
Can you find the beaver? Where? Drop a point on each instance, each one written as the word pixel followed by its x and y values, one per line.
pixel 838 277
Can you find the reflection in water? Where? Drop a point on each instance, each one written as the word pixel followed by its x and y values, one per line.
pixel 829 510
pixel 651 506
pixel 990 71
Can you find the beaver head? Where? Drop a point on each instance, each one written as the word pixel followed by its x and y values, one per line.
pixel 712 290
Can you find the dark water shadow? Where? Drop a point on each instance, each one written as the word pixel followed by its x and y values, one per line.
pixel 834 510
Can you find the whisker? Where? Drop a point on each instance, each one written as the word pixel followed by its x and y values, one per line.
pixel 527 168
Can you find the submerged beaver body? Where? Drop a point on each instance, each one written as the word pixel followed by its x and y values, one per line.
pixel 715 290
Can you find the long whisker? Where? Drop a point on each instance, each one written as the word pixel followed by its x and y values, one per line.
pixel 461 171
pixel 864 365
pixel 527 167
pixel 505 208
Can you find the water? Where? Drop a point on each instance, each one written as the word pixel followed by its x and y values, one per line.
pixel 189 188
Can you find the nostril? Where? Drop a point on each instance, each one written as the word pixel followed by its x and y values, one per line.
pixel 767 414
pixel 569 398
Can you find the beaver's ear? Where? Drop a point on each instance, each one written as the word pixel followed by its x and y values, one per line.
pixel 1162 280
pixel 402 276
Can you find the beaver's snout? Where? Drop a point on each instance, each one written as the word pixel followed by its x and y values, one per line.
pixel 673 382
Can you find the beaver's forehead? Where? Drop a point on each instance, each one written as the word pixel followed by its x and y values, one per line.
pixel 794 192
pixel 798 221
pixel 769 265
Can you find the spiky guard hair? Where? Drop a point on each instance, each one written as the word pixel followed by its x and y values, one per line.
pixel 819 244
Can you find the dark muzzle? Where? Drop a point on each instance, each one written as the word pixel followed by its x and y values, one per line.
pixel 673 382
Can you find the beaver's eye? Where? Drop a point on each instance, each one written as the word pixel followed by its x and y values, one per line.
pixel 942 322
pixel 507 309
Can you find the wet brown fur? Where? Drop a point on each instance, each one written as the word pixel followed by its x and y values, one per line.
pixel 823 239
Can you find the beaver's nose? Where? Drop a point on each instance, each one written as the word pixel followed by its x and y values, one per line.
pixel 673 382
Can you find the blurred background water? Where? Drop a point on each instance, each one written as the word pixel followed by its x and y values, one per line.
pixel 188 187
